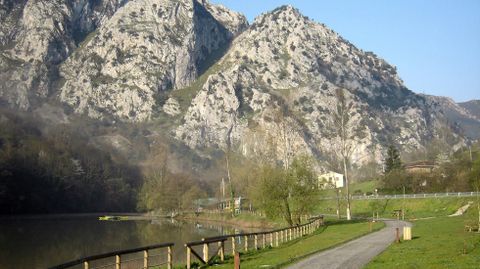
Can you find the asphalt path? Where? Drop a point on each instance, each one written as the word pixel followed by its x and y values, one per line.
pixel 356 253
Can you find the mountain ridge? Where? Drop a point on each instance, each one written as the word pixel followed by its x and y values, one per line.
pixel 213 80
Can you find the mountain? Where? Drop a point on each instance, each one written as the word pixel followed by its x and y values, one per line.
pixel 283 71
pixel 145 49
pixel 200 75
pixel 473 107
pixel 36 36
pixel 465 117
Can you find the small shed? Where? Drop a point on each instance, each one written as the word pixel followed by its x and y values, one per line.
pixel 420 167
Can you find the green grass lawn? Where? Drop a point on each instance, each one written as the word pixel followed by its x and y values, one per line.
pixel 438 243
pixel 245 220
pixel 326 237
pixel 415 208
pixel 357 188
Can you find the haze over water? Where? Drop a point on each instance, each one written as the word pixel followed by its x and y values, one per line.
pixel 45 242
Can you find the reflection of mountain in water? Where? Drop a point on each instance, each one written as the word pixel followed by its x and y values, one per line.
pixel 48 242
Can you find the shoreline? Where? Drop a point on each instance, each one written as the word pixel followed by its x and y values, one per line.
pixel 68 215
pixel 246 224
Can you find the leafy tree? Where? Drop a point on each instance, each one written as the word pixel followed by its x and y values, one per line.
pixel 290 193
pixel 392 162
pixel 58 172
pixel 303 182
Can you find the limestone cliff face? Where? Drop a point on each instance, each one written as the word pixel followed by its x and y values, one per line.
pixel 276 86
pixel 148 47
pixel 266 89
pixel 36 36
pixel 464 117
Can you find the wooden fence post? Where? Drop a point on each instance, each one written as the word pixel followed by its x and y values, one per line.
pixel 263 240
pixel 117 262
pixel 246 243
pixel 169 258
pixel 145 259
pixel 256 241
pixel 271 239
pixel 205 252
pixel 233 245
pixel 221 249
pixel 189 257
pixel 236 261
pixel 276 239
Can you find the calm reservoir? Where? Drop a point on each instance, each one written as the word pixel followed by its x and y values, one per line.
pixel 42 242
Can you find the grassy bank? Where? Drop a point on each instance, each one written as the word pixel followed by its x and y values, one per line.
pixel 356 188
pixel 244 220
pixel 333 234
pixel 437 243
pixel 415 208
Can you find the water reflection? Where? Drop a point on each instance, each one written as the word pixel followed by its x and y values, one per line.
pixel 40 243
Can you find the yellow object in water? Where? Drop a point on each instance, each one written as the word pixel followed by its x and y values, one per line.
pixel 113 218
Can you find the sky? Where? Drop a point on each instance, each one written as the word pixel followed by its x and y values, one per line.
pixel 435 44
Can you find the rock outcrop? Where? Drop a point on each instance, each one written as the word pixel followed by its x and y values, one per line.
pixel 36 36
pixel 147 48
pixel 278 84
pixel 266 89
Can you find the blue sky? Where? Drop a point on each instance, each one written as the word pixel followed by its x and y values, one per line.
pixel 435 44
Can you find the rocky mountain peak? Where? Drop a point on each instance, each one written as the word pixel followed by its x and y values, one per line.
pixel 267 88
pixel 37 36
pixel 147 48
pixel 284 71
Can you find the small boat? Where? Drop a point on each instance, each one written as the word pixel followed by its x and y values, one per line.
pixel 113 218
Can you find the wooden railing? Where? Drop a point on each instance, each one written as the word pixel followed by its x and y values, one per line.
pixel 268 239
pixel 145 259
pixel 251 241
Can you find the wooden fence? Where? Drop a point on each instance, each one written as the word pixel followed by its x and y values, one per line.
pixel 115 260
pixel 233 243
pixel 251 241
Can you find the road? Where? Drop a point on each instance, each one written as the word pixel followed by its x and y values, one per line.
pixel 356 253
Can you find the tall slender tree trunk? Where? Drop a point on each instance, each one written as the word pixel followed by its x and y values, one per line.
pixel 232 194
pixel 349 216
pixel 288 214
pixel 338 204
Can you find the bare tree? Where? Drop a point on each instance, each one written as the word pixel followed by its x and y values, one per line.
pixel 344 128
pixel 286 136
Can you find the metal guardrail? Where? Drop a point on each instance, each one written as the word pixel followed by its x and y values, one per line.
pixel 268 239
pixel 409 196
pixel 118 260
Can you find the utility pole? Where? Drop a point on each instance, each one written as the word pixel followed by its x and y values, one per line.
pixel 403 209
pixel 222 187
pixel 470 149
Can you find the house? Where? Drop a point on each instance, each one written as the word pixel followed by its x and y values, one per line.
pixel 420 167
pixel 225 204
pixel 331 180
pixel 240 204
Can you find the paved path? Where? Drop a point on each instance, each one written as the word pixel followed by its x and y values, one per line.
pixel 356 253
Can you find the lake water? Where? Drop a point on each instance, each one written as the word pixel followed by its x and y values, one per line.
pixel 45 242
